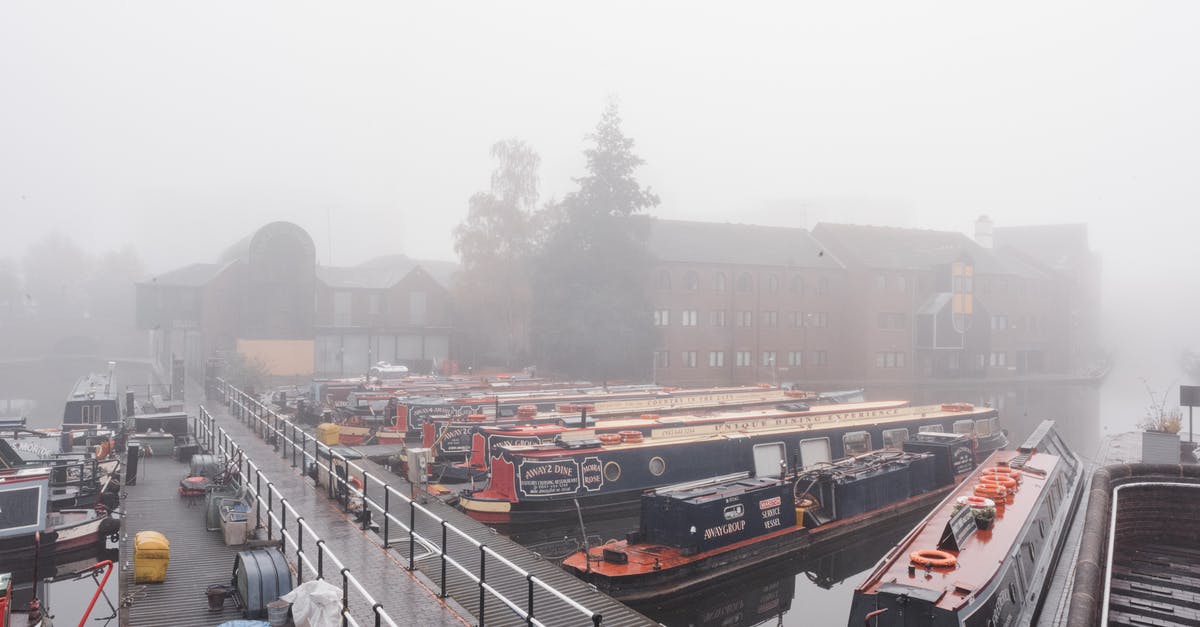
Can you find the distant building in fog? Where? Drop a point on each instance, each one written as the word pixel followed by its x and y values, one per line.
pixel 739 303
pixel 266 297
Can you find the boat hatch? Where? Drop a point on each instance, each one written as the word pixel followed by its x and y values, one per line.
pixel 770 460
pixel 814 451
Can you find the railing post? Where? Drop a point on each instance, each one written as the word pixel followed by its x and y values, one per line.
pixel 293 439
pixel 345 595
pixel 412 535
pixel 257 495
pixel 375 609
pixel 282 519
pixel 299 549
pixel 442 594
pixel 320 559
pixel 387 510
pixel 482 579
pixel 366 509
pixel 270 506
pixel 529 607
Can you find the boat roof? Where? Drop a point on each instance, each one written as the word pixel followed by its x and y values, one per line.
pixel 982 552
pixel 93 386
pixel 673 429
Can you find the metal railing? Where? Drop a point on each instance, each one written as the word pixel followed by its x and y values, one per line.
pixel 286 436
pixel 252 478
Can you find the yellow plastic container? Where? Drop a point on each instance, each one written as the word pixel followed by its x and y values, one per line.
pixel 328 433
pixel 151 553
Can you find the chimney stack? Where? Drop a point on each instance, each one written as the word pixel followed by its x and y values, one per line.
pixel 983 231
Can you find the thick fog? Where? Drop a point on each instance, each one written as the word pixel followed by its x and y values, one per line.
pixel 178 128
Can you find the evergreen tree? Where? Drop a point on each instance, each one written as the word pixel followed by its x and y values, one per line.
pixel 591 314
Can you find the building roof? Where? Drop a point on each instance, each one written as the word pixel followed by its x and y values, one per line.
pixel 1058 246
pixel 384 272
pixel 194 275
pixel 741 244
pixel 916 249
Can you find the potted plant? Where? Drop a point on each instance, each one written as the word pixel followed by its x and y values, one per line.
pixel 984 517
pixel 1160 431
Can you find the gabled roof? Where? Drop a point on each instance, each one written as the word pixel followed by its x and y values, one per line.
pixel 742 244
pixel 194 275
pixel 384 272
pixel 900 248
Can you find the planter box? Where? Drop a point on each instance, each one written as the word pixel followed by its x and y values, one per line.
pixel 1160 448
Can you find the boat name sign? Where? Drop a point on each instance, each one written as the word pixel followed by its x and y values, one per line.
pixel 559 477
pixel 781 421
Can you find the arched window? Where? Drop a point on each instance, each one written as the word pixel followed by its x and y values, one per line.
pixel 797 286
pixel 823 286
pixel 664 280
pixel 719 282
pixel 691 281
pixel 745 282
pixel 772 283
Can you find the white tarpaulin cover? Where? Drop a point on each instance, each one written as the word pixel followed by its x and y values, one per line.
pixel 315 603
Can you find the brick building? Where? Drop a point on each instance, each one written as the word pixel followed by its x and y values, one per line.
pixel 738 303
pixel 266 297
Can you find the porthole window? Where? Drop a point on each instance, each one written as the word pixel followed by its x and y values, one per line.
pixel 658 466
pixel 612 471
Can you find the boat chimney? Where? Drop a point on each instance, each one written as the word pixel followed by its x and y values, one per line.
pixel 983 231
pixel 583 416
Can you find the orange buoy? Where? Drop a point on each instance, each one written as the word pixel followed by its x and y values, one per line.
pixel 1009 483
pixel 991 491
pixel 976 501
pixel 631 437
pixel 609 438
pixel 933 558
pixel 650 417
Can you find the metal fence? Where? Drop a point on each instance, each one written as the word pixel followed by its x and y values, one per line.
pixel 293 441
pixel 252 478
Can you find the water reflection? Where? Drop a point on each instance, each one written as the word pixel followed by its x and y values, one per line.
pixel 66 585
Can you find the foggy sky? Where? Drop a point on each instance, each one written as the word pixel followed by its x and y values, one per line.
pixel 180 127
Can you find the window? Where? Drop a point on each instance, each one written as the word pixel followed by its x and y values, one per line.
pixel 663 282
pixel 341 309
pixel 662 317
pixel 983 427
pixel 892 321
pixel 889 359
pixel 901 284
pixel 999 323
pixel 795 319
pixel 417 307
pixel 662 359
pixel 745 318
pixel 719 282
pixel 817 319
pixel 895 438
pixel 820 358
pixel 742 358
pixel 374 306
pixel 823 286
pixel 964 426
pixel 881 281
pixel 717 318
pixel 795 358
pixel 687 318
pixel 716 359
pixel 999 359
pixel 797 286
pixel 770 319
pixel 691 281
pixel 856 443
pixel 745 282
pixel 768 359
pixel 772 283
pixel 657 466
pixel 688 359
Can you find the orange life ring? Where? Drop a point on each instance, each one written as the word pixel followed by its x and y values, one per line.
pixel 1004 470
pixel 609 438
pixel 1009 483
pixel 977 501
pixel 631 437
pixel 933 558
pixel 356 483
pixel 991 491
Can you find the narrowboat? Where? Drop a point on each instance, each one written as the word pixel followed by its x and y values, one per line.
pixel 94 401
pixel 694 534
pixel 985 555
pixel 26 519
pixel 455 439
pixel 486 436
pixel 604 476
pixel 79 477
